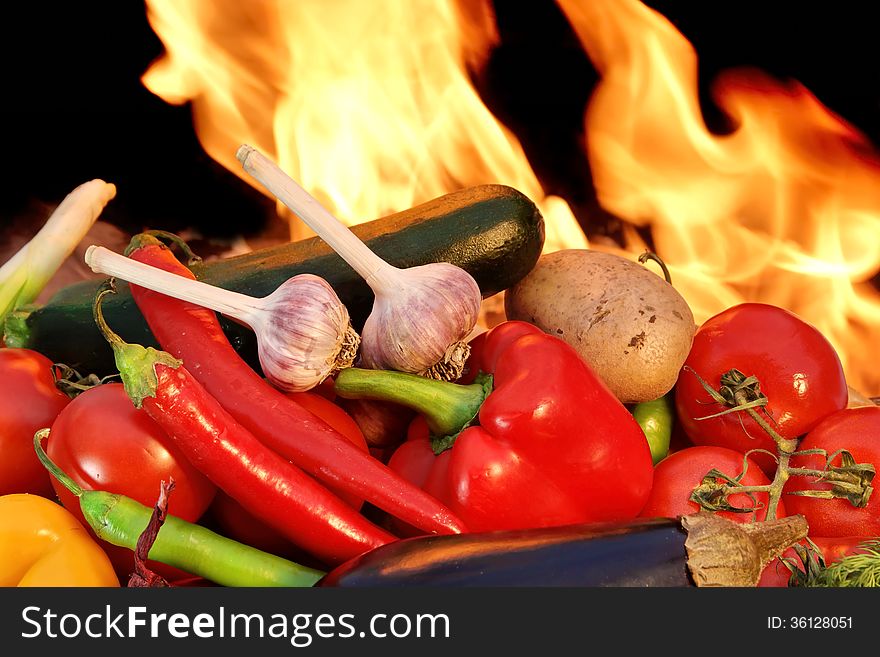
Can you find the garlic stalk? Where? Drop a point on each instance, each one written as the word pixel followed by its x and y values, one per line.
pixel 421 316
pixel 303 330
pixel 25 274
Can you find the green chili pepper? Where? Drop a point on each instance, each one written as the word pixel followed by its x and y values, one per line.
pixel 656 418
pixel 120 520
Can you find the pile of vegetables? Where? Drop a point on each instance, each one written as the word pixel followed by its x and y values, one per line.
pixel 330 413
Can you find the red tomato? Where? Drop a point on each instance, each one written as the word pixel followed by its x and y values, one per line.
pixel 332 414
pixel 29 401
pixel 676 476
pixel 104 443
pixel 856 430
pixel 236 523
pixel 414 460
pixel 679 439
pixel 319 404
pixel 383 424
pixel 798 369
pixel 472 365
pixel 324 389
pixel 776 574
pixel 233 521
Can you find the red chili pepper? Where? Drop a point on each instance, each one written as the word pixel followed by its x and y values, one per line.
pixel 542 440
pixel 194 334
pixel 270 488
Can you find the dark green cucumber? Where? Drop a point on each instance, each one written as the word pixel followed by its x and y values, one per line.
pixel 492 231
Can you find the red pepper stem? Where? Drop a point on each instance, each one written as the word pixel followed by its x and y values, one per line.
pixel 151 238
pixel 136 364
pixel 142 240
pixel 448 407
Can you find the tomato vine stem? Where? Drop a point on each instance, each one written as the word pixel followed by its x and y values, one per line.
pixel 741 393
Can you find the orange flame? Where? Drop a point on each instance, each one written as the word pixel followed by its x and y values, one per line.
pixel 370 106
pixel 367 105
pixel 783 210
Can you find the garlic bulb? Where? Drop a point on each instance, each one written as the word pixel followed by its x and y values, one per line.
pixel 421 316
pixel 420 319
pixel 305 334
pixel 303 330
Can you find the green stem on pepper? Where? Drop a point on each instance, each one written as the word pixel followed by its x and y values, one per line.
pixel 277 421
pixel 147 237
pixel 264 483
pixel 447 407
pixel 121 520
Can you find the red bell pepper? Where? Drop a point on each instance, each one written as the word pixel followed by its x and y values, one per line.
pixel 537 440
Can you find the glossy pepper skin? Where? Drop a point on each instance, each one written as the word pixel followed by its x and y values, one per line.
pixel 551 444
pixel 43 544
pixel 193 334
pixel 265 484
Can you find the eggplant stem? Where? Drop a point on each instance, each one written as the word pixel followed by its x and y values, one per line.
pixel 725 553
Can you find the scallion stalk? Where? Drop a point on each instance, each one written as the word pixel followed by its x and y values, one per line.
pixel 26 273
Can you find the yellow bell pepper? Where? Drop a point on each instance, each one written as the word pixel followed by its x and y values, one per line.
pixel 43 544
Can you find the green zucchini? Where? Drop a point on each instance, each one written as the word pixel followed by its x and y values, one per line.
pixel 492 231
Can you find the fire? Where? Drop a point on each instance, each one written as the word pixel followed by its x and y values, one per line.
pixel 370 106
pixel 783 210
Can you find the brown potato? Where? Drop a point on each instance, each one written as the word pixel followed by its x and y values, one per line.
pixel 631 326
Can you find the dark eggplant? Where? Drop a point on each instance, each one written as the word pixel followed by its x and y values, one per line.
pixel 703 550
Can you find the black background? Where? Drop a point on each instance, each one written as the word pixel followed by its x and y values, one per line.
pixel 73 106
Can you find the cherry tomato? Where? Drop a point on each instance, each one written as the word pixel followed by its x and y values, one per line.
pixel 29 401
pixel 776 574
pixel 104 443
pixel 676 476
pixel 856 430
pixel 413 460
pixel 233 521
pixel 472 365
pixel 324 389
pixel 384 424
pixel 332 414
pixel 798 370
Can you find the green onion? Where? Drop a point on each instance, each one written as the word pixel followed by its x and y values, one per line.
pixel 25 274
